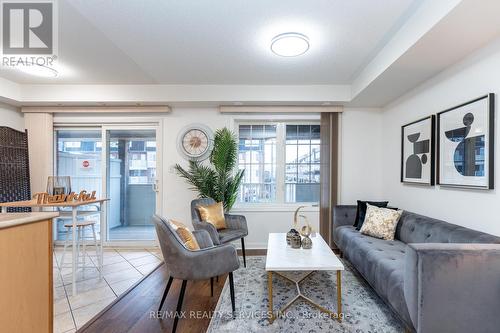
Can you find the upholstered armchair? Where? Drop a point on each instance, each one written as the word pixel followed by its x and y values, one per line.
pixel 236 226
pixel 183 264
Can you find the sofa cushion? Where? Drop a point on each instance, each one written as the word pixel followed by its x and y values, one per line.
pixel 380 222
pixel 184 234
pixel 380 262
pixel 361 211
pixel 213 214
pixel 228 235
pixel 415 228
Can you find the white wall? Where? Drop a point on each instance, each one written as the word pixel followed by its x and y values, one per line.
pixel 11 116
pixel 360 154
pixel 474 77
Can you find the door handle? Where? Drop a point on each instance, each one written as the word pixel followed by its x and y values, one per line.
pixel 156 188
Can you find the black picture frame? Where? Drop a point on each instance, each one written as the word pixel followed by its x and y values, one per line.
pixel 432 177
pixel 490 97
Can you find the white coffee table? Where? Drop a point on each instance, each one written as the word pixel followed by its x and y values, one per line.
pixel 281 257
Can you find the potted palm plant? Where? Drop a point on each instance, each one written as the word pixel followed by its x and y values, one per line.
pixel 218 179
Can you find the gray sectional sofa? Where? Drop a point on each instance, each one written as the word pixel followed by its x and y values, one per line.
pixel 438 277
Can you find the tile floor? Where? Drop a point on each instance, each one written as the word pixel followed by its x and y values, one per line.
pixel 121 269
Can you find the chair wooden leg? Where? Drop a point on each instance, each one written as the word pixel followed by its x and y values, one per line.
pixel 243 250
pixel 217 278
pixel 211 287
pixel 179 305
pixel 231 289
pixel 165 293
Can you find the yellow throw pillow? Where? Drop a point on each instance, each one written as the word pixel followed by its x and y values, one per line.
pixel 213 214
pixel 185 235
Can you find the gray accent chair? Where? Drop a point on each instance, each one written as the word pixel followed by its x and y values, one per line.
pixel 236 226
pixel 184 264
pixel 436 276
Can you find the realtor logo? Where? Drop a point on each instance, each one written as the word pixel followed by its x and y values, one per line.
pixel 27 27
pixel 29 32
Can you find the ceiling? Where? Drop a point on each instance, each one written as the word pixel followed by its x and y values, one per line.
pixel 363 53
pixel 217 42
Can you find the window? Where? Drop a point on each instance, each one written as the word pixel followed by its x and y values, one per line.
pixel 137 145
pixel 302 163
pixel 281 162
pixel 257 155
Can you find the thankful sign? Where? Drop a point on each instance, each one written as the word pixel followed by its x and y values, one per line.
pixel 45 198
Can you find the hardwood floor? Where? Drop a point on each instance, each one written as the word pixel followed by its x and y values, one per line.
pixel 132 312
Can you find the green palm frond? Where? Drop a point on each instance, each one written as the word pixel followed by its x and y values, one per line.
pixel 200 178
pixel 225 151
pixel 218 180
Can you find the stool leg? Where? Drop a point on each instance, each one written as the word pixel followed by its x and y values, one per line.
pixel 84 248
pixel 65 246
pixel 96 248
pixel 78 245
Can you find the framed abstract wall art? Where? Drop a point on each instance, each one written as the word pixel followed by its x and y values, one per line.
pixel 465 147
pixel 417 151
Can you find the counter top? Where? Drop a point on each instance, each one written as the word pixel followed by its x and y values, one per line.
pixel 8 220
pixel 33 203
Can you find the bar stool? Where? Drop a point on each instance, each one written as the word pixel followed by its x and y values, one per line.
pixel 81 240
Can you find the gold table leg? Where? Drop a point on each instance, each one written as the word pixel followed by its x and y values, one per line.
pixel 339 296
pixel 301 296
pixel 270 296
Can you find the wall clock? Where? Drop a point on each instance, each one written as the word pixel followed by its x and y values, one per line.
pixel 195 142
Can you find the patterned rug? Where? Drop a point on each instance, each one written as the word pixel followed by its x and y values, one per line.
pixel 363 310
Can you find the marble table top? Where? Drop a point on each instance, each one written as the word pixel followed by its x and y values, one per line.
pixel 281 257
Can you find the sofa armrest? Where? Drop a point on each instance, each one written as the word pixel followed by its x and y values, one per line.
pixel 212 231
pixel 453 287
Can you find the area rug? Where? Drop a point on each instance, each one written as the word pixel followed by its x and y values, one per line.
pixel 363 310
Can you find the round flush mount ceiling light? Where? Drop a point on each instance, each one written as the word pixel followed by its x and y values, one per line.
pixel 38 70
pixel 290 44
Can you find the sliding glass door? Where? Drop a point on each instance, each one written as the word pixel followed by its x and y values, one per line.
pixel 120 163
pixel 78 155
pixel 132 184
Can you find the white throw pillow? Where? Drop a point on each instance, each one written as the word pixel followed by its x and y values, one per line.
pixel 380 222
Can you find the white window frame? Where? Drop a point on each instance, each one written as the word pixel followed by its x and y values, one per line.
pixel 279 204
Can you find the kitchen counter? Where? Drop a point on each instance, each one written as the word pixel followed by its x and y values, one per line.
pixel 8 220
pixel 26 272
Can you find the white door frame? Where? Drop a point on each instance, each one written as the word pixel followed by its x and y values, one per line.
pixel 159 177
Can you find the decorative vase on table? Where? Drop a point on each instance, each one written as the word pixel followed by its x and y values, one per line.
pixel 293 232
pixel 296 241
pixel 306 231
pixel 293 237
pixel 290 235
